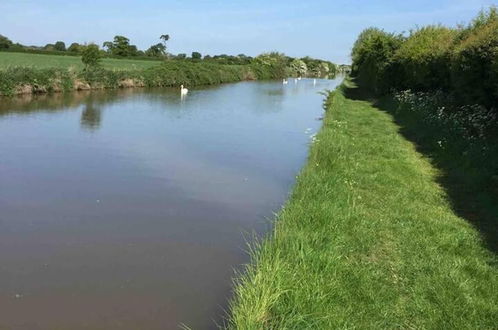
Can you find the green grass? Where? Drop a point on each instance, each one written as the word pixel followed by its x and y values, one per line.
pixel 367 240
pixel 41 61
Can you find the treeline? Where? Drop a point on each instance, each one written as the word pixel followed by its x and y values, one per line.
pixel 120 47
pixel 462 61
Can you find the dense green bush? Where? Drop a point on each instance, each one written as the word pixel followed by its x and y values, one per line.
pixel 91 56
pixel 462 61
pixel 271 65
pixel 35 80
pixel 372 55
pixel 475 61
pixel 422 60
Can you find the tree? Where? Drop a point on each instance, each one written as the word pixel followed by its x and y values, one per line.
pixel 91 56
pixel 164 38
pixel 196 55
pixel 298 68
pixel 5 42
pixel 181 56
pixel 60 46
pixel 49 47
pixel 156 50
pixel 120 46
pixel 74 48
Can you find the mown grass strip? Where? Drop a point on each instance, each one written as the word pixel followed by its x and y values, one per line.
pixel 368 239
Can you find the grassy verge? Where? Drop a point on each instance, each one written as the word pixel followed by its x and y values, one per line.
pixel 28 80
pixel 368 239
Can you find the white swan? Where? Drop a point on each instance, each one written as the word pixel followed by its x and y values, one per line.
pixel 183 90
pixel 284 81
pixel 298 78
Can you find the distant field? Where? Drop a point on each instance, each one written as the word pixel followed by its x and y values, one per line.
pixel 58 61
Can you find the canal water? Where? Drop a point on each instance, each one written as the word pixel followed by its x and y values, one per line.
pixel 132 209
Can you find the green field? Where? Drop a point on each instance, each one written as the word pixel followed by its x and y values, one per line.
pixel 368 240
pixel 42 61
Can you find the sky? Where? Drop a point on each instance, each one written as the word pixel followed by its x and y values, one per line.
pixel 323 29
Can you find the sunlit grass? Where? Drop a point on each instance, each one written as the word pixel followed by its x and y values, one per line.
pixel 42 61
pixel 367 240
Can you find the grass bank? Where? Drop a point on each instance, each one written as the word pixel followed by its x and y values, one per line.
pixel 32 80
pixel 368 239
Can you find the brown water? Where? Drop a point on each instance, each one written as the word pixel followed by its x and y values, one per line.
pixel 131 209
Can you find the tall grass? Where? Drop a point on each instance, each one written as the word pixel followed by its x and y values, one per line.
pixel 367 240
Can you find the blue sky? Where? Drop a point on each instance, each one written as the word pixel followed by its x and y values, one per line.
pixel 323 29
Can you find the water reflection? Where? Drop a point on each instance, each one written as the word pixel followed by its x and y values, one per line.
pixel 140 224
pixel 91 117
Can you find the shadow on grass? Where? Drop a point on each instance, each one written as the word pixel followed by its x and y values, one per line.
pixel 469 177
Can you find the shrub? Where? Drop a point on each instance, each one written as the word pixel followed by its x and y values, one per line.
pixel 60 46
pixel 422 61
pixel 5 42
pixel 298 68
pixel 372 54
pixel 475 61
pixel 270 65
pixel 91 55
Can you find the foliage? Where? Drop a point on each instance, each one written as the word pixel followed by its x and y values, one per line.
pixel 423 58
pixel 60 46
pixel 36 80
pixel 156 50
pixel 319 68
pixel 49 47
pixel 271 65
pixel 297 68
pixel 5 42
pixel 74 48
pixel 196 56
pixel 372 54
pixel 120 46
pixel 461 61
pixel 475 61
pixel 91 56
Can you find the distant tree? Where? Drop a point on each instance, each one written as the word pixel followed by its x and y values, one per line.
pixel 91 56
pixel 49 47
pixel 156 50
pixel 5 42
pixel 120 46
pixel 181 56
pixel 196 55
pixel 298 67
pixel 60 46
pixel 74 47
pixel 164 38
pixel 276 63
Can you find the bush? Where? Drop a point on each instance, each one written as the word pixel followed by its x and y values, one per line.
pixel 270 65
pixel 372 54
pixel 60 46
pixel 91 56
pixel 5 42
pixel 422 61
pixel 462 61
pixel 475 61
